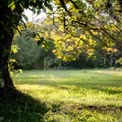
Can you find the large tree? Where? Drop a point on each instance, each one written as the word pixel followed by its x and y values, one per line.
pixel 11 12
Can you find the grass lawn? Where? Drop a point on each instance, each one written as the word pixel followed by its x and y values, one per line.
pixel 72 95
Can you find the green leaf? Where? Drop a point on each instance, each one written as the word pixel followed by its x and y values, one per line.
pixel 12 6
pixel 21 6
pixel 20 70
pixel 39 42
pixel 34 34
pixel 48 5
pixel 25 17
pixel 42 39
pixel 38 12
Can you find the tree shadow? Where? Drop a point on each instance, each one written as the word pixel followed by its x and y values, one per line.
pixel 112 91
pixel 16 106
pixel 78 82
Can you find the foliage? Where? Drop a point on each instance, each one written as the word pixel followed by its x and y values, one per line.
pixel 43 58
pixel 28 53
pixel 51 58
pixel 89 52
pixel 81 25
pixel 13 72
pixel 92 28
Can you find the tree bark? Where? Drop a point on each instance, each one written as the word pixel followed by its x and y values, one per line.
pixel 5 47
pixel 6 37
pixel 8 21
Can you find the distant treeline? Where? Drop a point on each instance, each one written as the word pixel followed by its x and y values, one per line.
pixel 32 56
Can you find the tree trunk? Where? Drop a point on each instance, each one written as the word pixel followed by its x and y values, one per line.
pixel 9 19
pixel 8 22
pixel 6 37
pixel 5 47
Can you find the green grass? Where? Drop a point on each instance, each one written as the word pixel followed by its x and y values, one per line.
pixel 79 86
pixel 73 95
pixel 76 95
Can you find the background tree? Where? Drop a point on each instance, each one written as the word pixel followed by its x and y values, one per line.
pixel 88 26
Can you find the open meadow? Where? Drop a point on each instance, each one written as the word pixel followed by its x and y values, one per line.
pixel 71 96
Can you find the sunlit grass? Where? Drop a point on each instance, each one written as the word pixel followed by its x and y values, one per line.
pixel 71 93
pixel 74 94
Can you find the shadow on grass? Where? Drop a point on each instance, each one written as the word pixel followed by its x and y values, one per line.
pixel 71 82
pixel 87 81
pixel 112 91
pixel 16 106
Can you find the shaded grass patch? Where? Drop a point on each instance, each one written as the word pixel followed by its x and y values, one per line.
pixel 16 106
